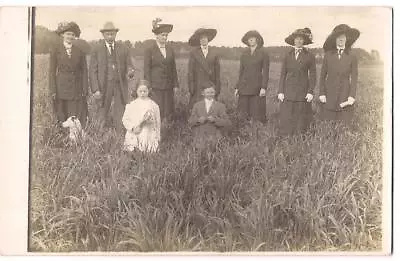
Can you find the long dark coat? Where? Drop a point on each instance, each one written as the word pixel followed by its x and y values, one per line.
pixel 201 70
pixel 68 80
pixel 159 71
pixel 99 66
pixel 338 79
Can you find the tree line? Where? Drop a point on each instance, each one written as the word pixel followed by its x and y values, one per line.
pixel 44 39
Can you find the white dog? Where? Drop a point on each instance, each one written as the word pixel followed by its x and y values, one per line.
pixel 75 129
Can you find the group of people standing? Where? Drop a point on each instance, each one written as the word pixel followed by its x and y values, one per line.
pixel 111 68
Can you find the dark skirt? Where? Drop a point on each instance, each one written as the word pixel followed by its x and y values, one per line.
pixel 294 117
pixel 252 107
pixel 345 115
pixel 165 101
pixel 67 108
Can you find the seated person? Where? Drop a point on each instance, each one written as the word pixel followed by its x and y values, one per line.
pixel 142 121
pixel 208 118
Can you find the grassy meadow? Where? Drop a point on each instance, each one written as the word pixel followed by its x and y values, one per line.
pixel 256 192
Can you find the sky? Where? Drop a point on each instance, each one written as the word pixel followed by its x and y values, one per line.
pixel 274 23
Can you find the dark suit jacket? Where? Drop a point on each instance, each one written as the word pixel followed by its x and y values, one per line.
pixel 217 110
pixel 99 66
pixel 68 77
pixel 298 77
pixel 338 78
pixel 160 71
pixel 203 69
pixel 253 72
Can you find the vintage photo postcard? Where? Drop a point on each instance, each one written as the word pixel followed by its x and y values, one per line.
pixel 218 129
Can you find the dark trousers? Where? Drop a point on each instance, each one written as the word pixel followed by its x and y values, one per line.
pixel 165 100
pixel 252 107
pixel 113 106
pixel 68 108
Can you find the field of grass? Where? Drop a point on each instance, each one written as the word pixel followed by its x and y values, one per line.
pixel 256 192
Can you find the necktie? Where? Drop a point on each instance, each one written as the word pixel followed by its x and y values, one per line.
pixel 111 49
pixel 205 51
pixel 69 52
pixel 340 51
pixel 297 52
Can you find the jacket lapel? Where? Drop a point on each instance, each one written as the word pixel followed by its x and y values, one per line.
pixel 198 54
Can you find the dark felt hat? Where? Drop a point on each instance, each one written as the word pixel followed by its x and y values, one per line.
pixel 161 28
pixel 194 40
pixel 109 27
pixel 304 33
pixel 352 35
pixel 68 27
pixel 253 33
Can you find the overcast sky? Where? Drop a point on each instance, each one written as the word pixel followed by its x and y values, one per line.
pixel 274 23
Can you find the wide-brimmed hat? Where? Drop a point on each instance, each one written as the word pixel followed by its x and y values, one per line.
pixel 352 35
pixel 194 40
pixel 161 28
pixel 305 33
pixel 109 27
pixel 68 27
pixel 253 33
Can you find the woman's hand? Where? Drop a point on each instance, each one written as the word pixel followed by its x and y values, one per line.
pixel 236 93
pixel 281 97
pixel 309 97
pixel 322 98
pixel 97 95
pixel 262 92
pixel 351 100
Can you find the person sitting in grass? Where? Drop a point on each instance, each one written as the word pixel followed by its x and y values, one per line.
pixel 208 117
pixel 142 122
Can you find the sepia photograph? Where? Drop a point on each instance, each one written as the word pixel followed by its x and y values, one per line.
pixel 198 129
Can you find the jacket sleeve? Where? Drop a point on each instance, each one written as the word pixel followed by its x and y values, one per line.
pixel 354 77
pixel 194 117
pixel 322 80
pixel 94 71
pixel 52 71
pixel 222 120
pixel 312 75
pixel 191 74
pixel 241 69
pixel 217 75
pixel 265 71
pixel 85 78
pixel 282 80
pixel 147 64
pixel 174 76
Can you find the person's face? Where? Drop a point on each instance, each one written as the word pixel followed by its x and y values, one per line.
pixel 110 36
pixel 203 40
pixel 142 91
pixel 341 40
pixel 252 41
pixel 298 41
pixel 68 36
pixel 209 93
pixel 162 38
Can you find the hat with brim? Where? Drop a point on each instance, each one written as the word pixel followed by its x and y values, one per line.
pixel 352 35
pixel 304 33
pixel 194 40
pixel 253 33
pixel 68 27
pixel 109 27
pixel 162 28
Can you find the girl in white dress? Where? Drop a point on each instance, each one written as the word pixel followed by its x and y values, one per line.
pixel 142 122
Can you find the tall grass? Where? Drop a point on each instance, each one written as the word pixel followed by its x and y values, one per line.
pixel 254 192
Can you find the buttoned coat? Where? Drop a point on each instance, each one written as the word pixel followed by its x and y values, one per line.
pixel 68 77
pixel 99 69
pixel 202 70
pixel 338 78
pixel 159 71
pixel 253 72
pixel 298 77
pixel 208 129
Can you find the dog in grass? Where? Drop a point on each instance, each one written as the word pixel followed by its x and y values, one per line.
pixel 76 132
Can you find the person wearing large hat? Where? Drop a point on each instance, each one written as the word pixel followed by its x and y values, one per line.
pixel 110 70
pixel 297 83
pixel 160 69
pixel 253 78
pixel 68 75
pixel 339 74
pixel 204 64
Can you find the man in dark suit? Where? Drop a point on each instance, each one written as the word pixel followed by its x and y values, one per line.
pixel 204 64
pixel 160 69
pixel 253 78
pixel 110 68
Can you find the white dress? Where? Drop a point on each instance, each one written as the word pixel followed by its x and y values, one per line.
pixel 144 112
